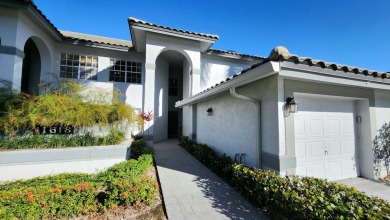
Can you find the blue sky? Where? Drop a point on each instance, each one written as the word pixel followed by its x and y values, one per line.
pixel 352 32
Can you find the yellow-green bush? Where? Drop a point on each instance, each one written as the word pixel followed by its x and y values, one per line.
pixel 63 105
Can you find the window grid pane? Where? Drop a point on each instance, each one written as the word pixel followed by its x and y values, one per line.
pixel 72 65
pixel 125 71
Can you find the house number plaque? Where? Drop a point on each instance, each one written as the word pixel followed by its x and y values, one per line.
pixel 56 129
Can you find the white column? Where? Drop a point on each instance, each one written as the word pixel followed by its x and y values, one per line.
pixel 149 87
pixel 11 69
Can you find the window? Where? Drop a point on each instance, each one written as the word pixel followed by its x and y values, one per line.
pixel 172 87
pixel 125 71
pixel 78 66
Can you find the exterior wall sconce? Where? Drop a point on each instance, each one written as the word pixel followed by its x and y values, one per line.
pixel 292 106
pixel 209 111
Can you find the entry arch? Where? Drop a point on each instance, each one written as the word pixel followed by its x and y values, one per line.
pixel 36 64
pixel 172 83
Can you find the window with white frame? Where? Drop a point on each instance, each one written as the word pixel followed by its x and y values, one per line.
pixel 125 71
pixel 78 66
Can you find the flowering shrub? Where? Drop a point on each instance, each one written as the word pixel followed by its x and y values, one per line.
pixel 147 116
pixel 69 195
pixel 291 196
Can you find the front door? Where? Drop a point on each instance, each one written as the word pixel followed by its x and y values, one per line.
pixel 173 124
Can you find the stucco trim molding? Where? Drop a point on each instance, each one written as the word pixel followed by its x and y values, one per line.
pixel 150 66
pixel 278 163
pixel 11 51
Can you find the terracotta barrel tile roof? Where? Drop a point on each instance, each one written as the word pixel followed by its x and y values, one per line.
pixel 233 53
pixel 96 39
pixel 281 54
pixel 138 21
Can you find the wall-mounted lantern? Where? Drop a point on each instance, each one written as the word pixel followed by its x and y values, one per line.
pixel 209 111
pixel 291 105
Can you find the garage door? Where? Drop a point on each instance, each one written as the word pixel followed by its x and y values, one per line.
pixel 325 143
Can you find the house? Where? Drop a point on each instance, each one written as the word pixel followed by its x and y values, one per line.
pixel 241 105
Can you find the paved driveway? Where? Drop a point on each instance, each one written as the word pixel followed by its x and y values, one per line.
pixel 371 187
pixel 191 191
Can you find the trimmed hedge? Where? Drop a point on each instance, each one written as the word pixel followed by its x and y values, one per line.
pixel 35 140
pixel 70 195
pixel 138 148
pixel 291 196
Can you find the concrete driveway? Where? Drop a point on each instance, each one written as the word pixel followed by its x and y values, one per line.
pixel 370 187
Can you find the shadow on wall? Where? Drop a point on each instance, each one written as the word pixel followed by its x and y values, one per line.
pixel 213 74
pixel 381 148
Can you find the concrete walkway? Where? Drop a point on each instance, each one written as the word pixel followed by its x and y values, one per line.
pixel 370 187
pixel 191 191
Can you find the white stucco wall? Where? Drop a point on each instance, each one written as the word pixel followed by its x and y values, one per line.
pixel 231 129
pixel 215 69
pixel 8 25
pixel 265 90
pixel 364 138
pixel 382 116
pixel 187 110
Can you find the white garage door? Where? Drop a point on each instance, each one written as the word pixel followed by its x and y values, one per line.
pixel 325 143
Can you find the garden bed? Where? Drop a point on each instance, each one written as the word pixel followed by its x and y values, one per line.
pixel 126 190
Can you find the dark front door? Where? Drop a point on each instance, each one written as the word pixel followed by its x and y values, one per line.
pixel 173 124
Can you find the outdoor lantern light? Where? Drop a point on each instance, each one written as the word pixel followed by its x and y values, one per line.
pixel 292 107
pixel 209 111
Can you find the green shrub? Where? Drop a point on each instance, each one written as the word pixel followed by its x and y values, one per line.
pixel 35 140
pixel 291 196
pixel 69 195
pixel 139 147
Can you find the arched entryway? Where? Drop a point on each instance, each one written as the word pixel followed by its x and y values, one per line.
pixel 31 72
pixel 172 84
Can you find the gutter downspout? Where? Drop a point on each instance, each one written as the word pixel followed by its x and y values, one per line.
pixel 259 150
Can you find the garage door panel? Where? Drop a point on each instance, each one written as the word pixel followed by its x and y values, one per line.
pixel 314 127
pixel 317 170
pixel 332 127
pixel 347 126
pixel 349 168
pixel 316 149
pixel 302 170
pixel 333 147
pixel 300 149
pixel 335 169
pixel 325 138
pixel 299 127
pixel 349 147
